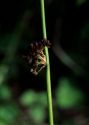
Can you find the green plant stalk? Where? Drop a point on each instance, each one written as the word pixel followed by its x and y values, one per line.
pixel 48 76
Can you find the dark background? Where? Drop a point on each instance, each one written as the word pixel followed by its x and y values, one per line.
pixel 68 31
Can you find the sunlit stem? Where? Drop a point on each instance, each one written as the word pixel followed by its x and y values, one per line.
pixel 48 76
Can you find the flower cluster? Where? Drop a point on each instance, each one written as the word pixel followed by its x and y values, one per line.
pixel 36 56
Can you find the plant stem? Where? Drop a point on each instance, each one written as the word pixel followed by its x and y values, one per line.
pixel 48 76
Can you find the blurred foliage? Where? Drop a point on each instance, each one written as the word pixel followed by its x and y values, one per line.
pixel 21 102
pixel 3 122
pixel 5 92
pixel 37 114
pixel 36 103
pixel 84 32
pixel 42 96
pixel 70 122
pixel 80 2
pixel 9 113
pixel 67 95
pixel 28 98
pixel 3 73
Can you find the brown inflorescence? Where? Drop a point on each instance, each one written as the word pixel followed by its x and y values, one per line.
pixel 36 56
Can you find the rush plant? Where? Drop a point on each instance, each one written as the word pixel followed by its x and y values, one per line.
pixel 48 75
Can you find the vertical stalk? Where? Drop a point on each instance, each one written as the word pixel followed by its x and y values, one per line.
pixel 48 76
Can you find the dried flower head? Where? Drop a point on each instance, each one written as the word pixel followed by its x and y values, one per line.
pixel 36 56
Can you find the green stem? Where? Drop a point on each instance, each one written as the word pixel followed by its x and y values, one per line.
pixel 48 76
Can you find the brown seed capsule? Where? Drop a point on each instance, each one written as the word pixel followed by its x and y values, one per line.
pixel 36 57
